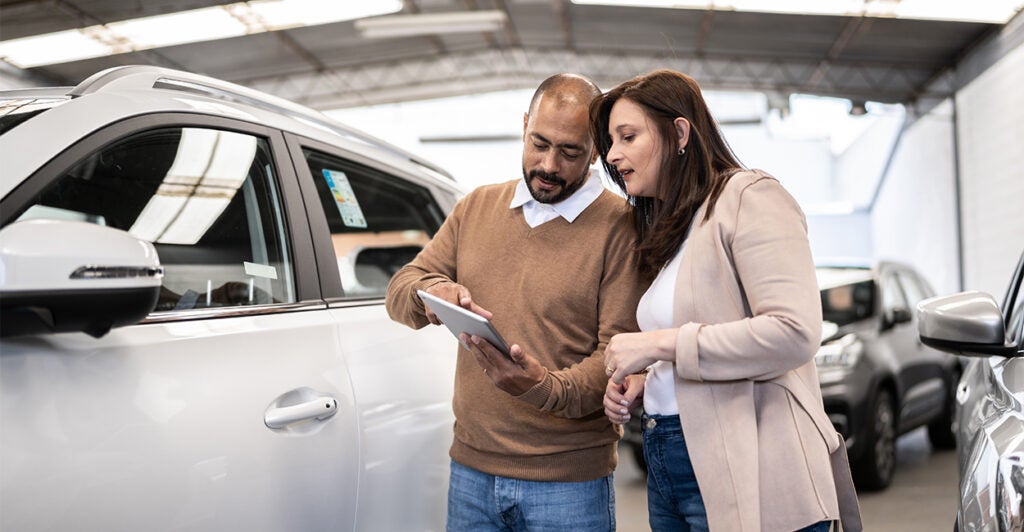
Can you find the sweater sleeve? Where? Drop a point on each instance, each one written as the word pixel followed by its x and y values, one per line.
pixel 578 390
pixel 774 267
pixel 434 264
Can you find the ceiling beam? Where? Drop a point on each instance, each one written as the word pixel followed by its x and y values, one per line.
pixel 493 69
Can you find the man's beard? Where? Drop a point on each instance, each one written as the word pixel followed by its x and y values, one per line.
pixel 565 189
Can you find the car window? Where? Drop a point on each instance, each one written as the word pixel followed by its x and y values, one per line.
pixel 378 222
pixel 913 287
pixel 208 201
pixel 892 294
pixel 847 303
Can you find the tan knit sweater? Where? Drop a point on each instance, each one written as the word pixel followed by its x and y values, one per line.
pixel 561 291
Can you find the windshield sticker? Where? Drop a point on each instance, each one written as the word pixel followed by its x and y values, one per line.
pixel 345 199
pixel 260 270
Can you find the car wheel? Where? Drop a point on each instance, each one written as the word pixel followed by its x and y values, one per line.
pixel 941 432
pixel 873 470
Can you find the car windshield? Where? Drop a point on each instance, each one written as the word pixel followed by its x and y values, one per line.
pixel 847 295
pixel 16 111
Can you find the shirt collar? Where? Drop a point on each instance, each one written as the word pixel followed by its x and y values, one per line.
pixel 570 207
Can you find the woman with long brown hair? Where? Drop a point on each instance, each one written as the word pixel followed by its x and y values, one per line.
pixel 735 435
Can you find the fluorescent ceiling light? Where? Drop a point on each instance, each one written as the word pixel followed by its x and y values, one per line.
pixel 59 47
pixel 990 11
pixel 197 25
pixel 179 28
pixel 280 14
pixel 432 23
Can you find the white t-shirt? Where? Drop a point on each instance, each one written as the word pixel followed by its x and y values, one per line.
pixel 655 312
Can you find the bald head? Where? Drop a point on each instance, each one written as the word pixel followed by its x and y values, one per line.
pixel 565 90
pixel 557 149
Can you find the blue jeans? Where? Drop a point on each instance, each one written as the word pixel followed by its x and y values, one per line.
pixel 478 501
pixel 674 502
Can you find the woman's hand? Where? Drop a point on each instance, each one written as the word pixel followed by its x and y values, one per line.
pixel 629 353
pixel 619 399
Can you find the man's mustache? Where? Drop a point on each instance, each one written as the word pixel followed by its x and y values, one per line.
pixel 550 178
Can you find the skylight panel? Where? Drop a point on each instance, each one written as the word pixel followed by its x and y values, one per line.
pixel 197 25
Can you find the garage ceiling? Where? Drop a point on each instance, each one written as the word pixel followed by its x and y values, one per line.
pixel 334 65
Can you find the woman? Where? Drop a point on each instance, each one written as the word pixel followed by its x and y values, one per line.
pixel 735 436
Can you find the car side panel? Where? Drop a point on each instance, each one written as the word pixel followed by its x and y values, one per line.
pixel 161 427
pixel 403 380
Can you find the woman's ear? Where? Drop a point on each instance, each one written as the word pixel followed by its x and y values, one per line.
pixel 683 130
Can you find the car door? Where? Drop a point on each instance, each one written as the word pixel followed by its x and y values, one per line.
pixel 229 408
pixel 990 422
pixel 899 337
pixel 369 219
pixel 926 371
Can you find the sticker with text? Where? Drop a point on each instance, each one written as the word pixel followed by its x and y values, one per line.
pixel 345 198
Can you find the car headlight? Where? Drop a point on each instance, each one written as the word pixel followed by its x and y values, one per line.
pixel 1009 492
pixel 843 352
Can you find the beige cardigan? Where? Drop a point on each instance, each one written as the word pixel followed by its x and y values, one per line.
pixel 749 316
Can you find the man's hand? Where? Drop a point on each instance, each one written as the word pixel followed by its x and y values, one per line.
pixel 619 399
pixel 455 294
pixel 515 374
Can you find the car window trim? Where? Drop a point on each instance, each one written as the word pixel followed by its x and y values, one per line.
pixel 307 282
pixel 330 279
pixel 231 312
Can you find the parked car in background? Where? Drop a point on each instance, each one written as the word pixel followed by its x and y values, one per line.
pixel 878 380
pixel 192 280
pixel 989 418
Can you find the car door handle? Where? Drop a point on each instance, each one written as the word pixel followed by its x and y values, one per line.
pixel 320 408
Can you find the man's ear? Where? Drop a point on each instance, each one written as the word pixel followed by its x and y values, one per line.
pixel 526 121
pixel 683 130
pixel 593 158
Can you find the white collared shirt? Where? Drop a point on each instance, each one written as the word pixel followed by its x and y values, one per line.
pixel 537 213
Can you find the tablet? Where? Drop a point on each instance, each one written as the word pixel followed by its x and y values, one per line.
pixel 459 320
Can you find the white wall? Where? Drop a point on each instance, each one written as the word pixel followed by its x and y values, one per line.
pixel 914 219
pixel 835 237
pixel 990 119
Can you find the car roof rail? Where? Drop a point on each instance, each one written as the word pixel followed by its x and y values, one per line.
pixel 52 93
pixel 146 77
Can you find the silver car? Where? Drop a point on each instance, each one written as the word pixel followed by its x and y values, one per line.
pixel 989 420
pixel 192 281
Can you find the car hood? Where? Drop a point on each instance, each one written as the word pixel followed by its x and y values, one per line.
pixel 831 332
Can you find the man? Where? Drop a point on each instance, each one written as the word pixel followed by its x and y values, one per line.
pixel 550 260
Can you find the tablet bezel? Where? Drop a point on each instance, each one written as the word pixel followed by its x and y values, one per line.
pixel 459 320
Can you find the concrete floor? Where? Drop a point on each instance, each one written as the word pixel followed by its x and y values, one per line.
pixel 922 497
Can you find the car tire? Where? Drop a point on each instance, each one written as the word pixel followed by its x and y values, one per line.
pixel 941 432
pixel 873 470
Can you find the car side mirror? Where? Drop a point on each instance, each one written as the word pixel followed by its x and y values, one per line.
pixel 896 316
pixel 901 315
pixel 968 323
pixel 65 276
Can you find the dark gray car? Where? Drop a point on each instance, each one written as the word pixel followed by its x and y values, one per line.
pixel 989 422
pixel 878 380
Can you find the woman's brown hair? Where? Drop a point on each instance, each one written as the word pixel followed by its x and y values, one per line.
pixel 685 181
